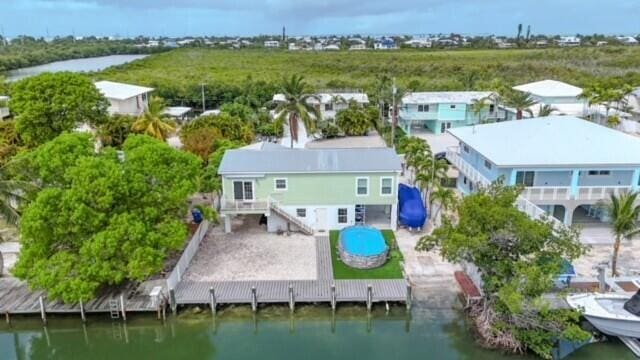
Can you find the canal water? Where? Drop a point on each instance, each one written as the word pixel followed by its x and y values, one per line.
pixel 75 65
pixel 235 333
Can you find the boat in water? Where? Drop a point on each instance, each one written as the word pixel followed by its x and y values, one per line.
pixel 612 314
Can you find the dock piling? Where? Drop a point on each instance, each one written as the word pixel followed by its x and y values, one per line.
pixel 43 311
pixel 409 296
pixel 122 308
pixel 82 315
pixel 212 300
pixel 369 297
pixel 292 300
pixel 172 301
pixel 7 318
pixel 254 299
pixel 333 297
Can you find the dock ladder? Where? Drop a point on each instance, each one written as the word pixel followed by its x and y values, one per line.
pixel 114 308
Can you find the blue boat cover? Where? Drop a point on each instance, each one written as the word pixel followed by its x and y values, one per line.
pixel 413 213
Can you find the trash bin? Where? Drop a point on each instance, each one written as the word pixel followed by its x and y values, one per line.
pixel 197 216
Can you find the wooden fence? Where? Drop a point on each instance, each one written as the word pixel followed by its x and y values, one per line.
pixel 189 252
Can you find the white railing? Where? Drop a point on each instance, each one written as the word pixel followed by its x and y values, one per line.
pixel 243 206
pixel 547 192
pixel 564 192
pixel 534 211
pixel 600 192
pixel 189 252
pixel 463 166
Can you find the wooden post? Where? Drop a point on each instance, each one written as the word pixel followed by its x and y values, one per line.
pixel 254 299
pixel 212 300
pixel 409 296
pixel 172 301
pixel 292 300
pixel 82 315
pixel 122 308
pixel 43 311
pixel 7 318
pixel 333 297
pixel 369 297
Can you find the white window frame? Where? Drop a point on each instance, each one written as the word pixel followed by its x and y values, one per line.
pixel 275 184
pixel 346 215
pixel 381 185
pixel 488 164
pixel 599 173
pixel 253 190
pixel 465 148
pixel 368 185
pixel 304 210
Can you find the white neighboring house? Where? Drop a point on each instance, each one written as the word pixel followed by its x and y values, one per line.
pixel 4 107
pixel 628 40
pixel 332 47
pixel 419 43
pixel 563 97
pixel 569 41
pixel 271 44
pixel 358 47
pixel 331 103
pixel 125 99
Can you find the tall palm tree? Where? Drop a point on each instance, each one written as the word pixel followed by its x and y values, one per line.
pixel 521 101
pixel 546 110
pixel 13 194
pixel 446 199
pixel 624 212
pixel 478 106
pixel 296 106
pixel 429 176
pixel 154 122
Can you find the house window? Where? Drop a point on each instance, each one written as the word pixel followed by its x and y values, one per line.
pixel 328 107
pixel 386 186
pixel 465 148
pixel 487 164
pixel 464 180
pixel 492 108
pixel 525 178
pixel 599 173
pixel 362 186
pixel 280 184
pixel 423 108
pixel 302 212
pixel 342 216
pixel 144 97
pixel 452 106
pixel 243 190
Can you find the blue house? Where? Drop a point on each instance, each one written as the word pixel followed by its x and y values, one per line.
pixel 439 111
pixel 567 165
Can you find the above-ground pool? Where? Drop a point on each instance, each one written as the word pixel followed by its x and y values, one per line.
pixel 362 247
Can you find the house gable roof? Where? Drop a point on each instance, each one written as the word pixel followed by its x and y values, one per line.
pixel 550 88
pixel 120 91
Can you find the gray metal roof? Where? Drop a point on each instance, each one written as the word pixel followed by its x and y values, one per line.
pixel 244 161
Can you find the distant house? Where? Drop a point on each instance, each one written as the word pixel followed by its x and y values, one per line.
pixel 628 40
pixel 331 103
pixel 358 47
pixel 602 43
pixel 4 107
pixel 439 111
pixel 179 113
pixel 564 98
pixel 125 99
pixel 418 43
pixel 541 43
pixel 311 190
pixel 332 47
pixel 271 44
pixel 293 47
pixel 569 41
pixel 633 101
pixel 385 44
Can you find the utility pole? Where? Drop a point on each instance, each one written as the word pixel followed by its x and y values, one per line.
pixel 203 103
pixel 394 90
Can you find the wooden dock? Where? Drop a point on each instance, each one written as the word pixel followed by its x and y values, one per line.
pixel 17 298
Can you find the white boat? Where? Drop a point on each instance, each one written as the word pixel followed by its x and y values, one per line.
pixel 607 313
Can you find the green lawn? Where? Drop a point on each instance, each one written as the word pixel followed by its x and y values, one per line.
pixel 392 269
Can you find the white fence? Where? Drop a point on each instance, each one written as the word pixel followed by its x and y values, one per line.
pixel 188 254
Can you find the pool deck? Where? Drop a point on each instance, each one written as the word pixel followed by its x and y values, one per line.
pixel 323 289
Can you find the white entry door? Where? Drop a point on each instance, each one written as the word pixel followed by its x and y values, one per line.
pixel 321 219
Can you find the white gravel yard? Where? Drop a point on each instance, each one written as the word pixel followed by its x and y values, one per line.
pixel 250 253
pixel 628 263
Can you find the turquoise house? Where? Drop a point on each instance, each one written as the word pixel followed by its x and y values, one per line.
pixel 567 166
pixel 439 111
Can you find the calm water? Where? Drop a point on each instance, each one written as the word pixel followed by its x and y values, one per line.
pixel 75 65
pixel 236 334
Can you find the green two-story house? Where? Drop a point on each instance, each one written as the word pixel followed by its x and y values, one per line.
pixel 311 190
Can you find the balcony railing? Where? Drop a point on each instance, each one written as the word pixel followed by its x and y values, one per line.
pixel 244 206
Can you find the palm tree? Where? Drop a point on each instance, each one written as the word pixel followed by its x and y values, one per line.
pixel 546 110
pixel 154 122
pixel 446 199
pixel 296 106
pixel 429 175
pixel 13 194
pixel 624 214
pixel 521 101
pixel 478 106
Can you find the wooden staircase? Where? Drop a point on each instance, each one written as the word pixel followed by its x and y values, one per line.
pixel 304 228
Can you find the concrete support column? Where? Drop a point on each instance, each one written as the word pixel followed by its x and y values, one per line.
pixel 568 214
pixel 575 177
pixel 512 178
pixel 635 179
pixel 394 216
pixel 227 223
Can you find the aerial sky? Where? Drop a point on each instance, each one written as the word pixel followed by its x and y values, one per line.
pixel 315 17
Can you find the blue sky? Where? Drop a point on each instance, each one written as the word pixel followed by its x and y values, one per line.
pixel 251 17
